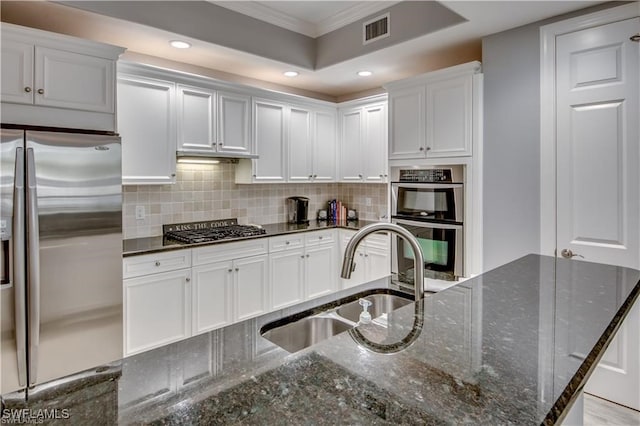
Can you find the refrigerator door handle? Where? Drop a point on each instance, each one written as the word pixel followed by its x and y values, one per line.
pixel 19 269
pixel 33 260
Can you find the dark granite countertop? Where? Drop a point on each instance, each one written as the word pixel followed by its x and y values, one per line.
pixel 138 246
pixel 512 346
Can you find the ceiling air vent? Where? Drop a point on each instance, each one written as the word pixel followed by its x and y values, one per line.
pixel 375 29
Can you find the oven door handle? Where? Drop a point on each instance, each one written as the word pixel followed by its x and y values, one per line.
pixel 426 224
pixel 427 185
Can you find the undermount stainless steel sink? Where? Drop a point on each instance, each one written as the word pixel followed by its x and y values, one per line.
pixel 320 324
pixel 381 304
pixel 305 332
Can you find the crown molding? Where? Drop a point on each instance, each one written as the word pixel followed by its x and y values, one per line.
pixel 261 10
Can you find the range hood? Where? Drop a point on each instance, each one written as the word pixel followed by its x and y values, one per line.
pixel 212 157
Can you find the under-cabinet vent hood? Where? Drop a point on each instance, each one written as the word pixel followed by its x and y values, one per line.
pixel 220 157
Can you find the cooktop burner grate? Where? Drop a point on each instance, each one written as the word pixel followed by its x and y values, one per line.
pixel 201 235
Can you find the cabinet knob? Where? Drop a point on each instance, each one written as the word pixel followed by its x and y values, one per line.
pixel 27 89
pixel 237 269
pixel 157 263
pixel 310 176
pixel 360 254
pixel 219 143
pixel 428 148
pixel 229 270
pixel 366 255
pixel 173 175
pixel 315 176
pixel 286 242
pixel 381 175
pixel 320 237
pixel 41 91
pixel 360 176
pixel 302 257
pixel 307 255
pixel 188 279
pixel 422 148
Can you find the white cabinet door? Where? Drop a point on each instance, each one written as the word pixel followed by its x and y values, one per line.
pixel 71 80
pixel 324 147
pixel 300 145
pixel 374 143
pixel 146 123
pixel 157 310
pixel 406 123
pixel 269 140
pixel 449 117
pixel 196 115
pixel 212 300
pixel 17 72
pixel 321 272
pixel 233 123
pixel 358 275
pixel 251 287
pixel 287 275
pixel 351 148
pixel 378 263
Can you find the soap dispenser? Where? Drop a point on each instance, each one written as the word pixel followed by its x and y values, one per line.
pixel 365 316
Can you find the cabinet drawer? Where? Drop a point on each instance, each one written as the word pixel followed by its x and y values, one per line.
pixel 380 241
pixel 136 266
pixel 286 242
pixel 229 251
pixel 319 237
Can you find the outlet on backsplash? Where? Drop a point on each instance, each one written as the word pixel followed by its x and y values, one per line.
pixel 209 192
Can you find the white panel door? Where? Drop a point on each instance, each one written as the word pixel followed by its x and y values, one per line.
pixel 449 117
pixel 157 310
pixel 374 143
pixel 75 81
pixel 287 275
pixel 378 263
pixel 251 287
pixel 17 72
pixel 269 139
pixel 598 179
pixel 212 296
pixel 233 123
pixel 196 115
pixel 351 145
pixel 146 123
pixel 406 123
pixel 300 145
pixel 324 147
pixel 321 270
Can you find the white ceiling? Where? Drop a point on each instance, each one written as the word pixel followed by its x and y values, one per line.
pixel 450 46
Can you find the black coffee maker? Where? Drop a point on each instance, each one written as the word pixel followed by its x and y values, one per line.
pixel 297 209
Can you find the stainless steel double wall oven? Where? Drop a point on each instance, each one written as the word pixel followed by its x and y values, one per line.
pixel 430 204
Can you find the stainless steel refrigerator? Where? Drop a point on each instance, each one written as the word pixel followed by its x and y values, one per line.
pixel 61 239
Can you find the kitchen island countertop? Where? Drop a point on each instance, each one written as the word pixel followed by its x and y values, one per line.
pixel 514 345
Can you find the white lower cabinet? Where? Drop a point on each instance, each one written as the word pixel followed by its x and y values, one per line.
pixel 251 287
pixel 372 258
pixel 321 272
pixel 212 296
pixel 287 276
pixel 157 310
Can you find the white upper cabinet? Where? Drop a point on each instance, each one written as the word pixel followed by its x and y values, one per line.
pixel 363 142
pixel 431 116
pixel 312 145
pixel 211 121
pixel 146 123
pixel 233 114
pixel 269 139
pixel 45 74
pixel 196 116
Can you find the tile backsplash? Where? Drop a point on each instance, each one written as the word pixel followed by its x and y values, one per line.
pixel 206 192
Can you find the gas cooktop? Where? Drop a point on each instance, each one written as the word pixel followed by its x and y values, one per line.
pixel 214 230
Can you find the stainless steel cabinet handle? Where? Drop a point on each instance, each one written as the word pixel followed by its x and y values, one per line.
pixel 27 89
pixel 157 263
pixel 302 257
pixel 219 143
pixel 41 91
pixel 428 148
pixel 366 255
pixel 237 269
pixel 310 176
pixel 19 270
pixel 422 148
pixel 188 279
pixel 568 254
pixel 229 270
pixel 33 260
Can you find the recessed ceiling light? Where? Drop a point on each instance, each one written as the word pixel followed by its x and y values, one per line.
pixel 364 73
pixel 179 44
pixel 291 73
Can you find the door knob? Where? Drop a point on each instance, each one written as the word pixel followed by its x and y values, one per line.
pixel 568 254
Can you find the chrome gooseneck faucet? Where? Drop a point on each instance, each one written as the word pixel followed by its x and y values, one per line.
pixel 418 257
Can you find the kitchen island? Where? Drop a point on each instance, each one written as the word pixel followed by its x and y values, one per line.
pixel 512 346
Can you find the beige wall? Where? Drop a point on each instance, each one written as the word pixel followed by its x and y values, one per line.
pixel 204 192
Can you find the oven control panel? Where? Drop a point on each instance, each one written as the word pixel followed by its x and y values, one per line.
pixel 425 175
